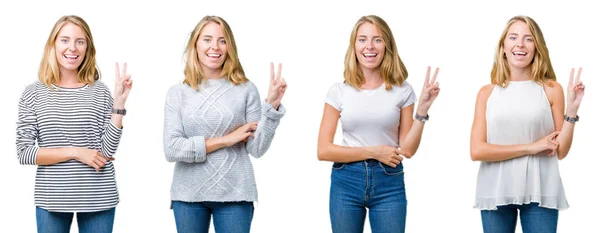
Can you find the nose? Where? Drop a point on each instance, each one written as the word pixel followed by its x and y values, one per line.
pixel 72 46
pixel 214 45
pixel 370 45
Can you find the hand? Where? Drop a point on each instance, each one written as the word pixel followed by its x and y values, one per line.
pixel 277 87
pixel 241 134
pixel 388 155
pixel 430 92
pixel 575 90
pixel 548 143
pixel 123 84
pixel 92 158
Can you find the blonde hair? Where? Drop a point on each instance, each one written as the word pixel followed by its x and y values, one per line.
pixel 49 72
pixel 232 69
pixel 541 67
pixel 392 68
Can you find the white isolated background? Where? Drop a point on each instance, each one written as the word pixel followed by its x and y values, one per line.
pixel 310 38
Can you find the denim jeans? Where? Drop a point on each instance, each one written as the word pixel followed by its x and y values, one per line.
pixel 59 222
pixel 358 186
pixel 534 219
pixel 229 217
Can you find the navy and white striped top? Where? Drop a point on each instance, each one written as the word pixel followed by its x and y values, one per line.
pixel 69 117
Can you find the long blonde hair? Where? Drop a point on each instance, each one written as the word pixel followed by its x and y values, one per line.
pixel 392 68
pixel 541 67
pixel 232 69
pixel 87 72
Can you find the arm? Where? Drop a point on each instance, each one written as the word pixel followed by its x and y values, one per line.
pixel 327 151
pixel 268 120
pixel 177 146
pixel 410 131
pixel 557 103
pixel 483 151
pixel 112 131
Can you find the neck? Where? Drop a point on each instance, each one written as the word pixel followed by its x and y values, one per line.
pixel 520 74
pixel 211 73
pixel 372 77
pixel 69 78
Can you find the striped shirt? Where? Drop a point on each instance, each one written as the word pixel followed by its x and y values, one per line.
pixel 69 117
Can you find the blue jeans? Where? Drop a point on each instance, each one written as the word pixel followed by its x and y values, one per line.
pixel 59 222
pixel 534 219
pixel 358 186
pixel 229 217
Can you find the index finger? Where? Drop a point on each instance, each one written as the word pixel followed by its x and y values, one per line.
pixel 427 75
pixel 272 73
pixel 571 77
pixel 117 71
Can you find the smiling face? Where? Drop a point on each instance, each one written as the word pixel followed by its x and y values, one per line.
pixel 369 46
pixel 212 49
pixel 519 45
pixel 70 47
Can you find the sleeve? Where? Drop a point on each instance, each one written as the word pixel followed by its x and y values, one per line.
pixel 409 95
pixel 268 119
pixel 177 146
pixel 334 96
pixel 27 129
pixel 111 135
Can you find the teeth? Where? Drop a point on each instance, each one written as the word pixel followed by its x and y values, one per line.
pixel 519 53
pixel 213 55
pixel 71 56
pixel 370 54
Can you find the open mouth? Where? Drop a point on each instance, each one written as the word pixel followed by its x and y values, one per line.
pixel 519 54
pixel 71 57
pixel 369 55
pixel 213 55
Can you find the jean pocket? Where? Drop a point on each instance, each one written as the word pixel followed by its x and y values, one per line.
pixel 392 171
pixel 338 166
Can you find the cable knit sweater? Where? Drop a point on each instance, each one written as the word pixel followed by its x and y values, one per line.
pixel 217 109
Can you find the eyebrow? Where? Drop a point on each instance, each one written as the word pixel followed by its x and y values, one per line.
pixel 510 34
pixel 66 37
pixel 373 37
pixel 222 37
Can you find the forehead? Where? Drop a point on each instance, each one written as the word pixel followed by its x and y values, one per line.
pixel 211 29
pixel 519 27
pixel 71 30
pixel 367 29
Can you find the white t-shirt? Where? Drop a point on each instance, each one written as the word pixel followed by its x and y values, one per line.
pixel 370 117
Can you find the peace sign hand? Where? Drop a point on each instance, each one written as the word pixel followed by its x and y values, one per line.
pixel 430 91
pixel 277 87
pixel 575 91
pixel 123 84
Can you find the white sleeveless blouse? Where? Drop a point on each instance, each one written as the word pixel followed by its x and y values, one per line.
pixel 519 114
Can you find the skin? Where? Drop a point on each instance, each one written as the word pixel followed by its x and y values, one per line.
pixel 520 40
pixel 370 43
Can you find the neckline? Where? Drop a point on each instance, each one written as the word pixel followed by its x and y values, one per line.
pixel 70 88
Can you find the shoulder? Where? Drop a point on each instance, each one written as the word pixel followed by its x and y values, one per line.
pixel 553 90
pixel 406 86
pixel 32 89
pixel 485 92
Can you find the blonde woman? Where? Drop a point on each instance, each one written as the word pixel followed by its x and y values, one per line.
pixel 77 126
pixel 375 105
pixel 520 131
pixel 213 120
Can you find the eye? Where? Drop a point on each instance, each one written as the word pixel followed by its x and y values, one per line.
pixel 378 40
pixel 222 41
pixel 529 39
pixel 207 40
pixel 361 40
pixel 64 41
pixel 80 42
pixel 512 37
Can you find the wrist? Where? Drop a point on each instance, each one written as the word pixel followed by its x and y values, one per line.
pixel 571 112
pixel 422 112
